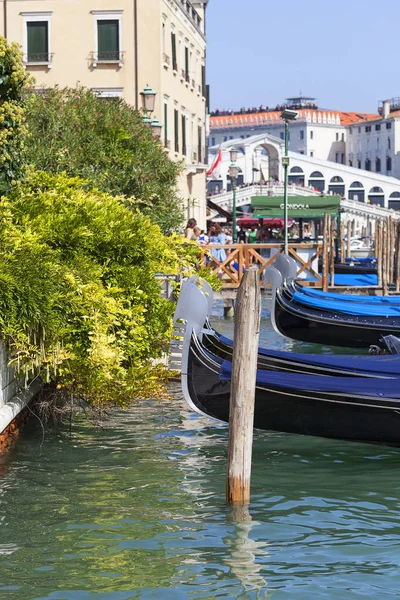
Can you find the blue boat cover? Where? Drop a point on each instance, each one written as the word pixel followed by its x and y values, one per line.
pixel 365 279
pixel 371 388
pixel 349 308
pixel 385 366
pixel 351 297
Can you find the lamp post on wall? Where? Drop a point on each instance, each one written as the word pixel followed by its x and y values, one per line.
pixel 233 174
pixel 148 102
pixel 287 115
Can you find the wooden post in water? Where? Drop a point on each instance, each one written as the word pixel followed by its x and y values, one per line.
pixel 349 239
pixel 243 388
pixel 384 239
pixel 332 251
pixel 378 248
pixel 325 255
pixel 342 243
pixel 397 264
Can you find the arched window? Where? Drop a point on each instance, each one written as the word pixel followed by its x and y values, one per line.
pixel 356 191
pixel 376 196
pixel 296 170
pixel 336 179
pixel 356 184
pixel 395 195
pixel 315 174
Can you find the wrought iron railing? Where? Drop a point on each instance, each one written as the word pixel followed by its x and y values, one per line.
pixel 38 58
pixel 107 56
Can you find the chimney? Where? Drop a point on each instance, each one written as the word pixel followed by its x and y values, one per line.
pixel 386 109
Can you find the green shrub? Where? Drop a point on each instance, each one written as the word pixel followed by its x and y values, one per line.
pixel 79 301
pixel 105 142
pixel 13 85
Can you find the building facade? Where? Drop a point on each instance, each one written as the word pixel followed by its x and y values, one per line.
pixel 316 132
pixel 262 154
pixel 117 48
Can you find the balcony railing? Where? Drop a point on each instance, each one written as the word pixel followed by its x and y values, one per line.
pixel 38 58
pixel 166 59
pixel 102 57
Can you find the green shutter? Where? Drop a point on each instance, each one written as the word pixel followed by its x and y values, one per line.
pixel 108 39
pixel 199 144
pixel 176 124
pixel 186 63
pixel 38 41
pixel 184 135
pixel 166 125
pixel 173 46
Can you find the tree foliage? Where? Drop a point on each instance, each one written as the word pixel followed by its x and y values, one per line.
pixel 13 85
pixel 105 142
pixel 79 301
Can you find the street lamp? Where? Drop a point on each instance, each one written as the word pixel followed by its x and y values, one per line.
pixel 148 102
pixel 148 99
pixel 287 115
pixel 156 127
pixel 233 173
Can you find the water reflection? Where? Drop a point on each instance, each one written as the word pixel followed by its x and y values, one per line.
pixel 137 510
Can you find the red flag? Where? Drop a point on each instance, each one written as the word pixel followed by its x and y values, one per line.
pixel 216 162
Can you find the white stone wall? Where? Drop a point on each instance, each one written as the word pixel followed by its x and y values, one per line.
pixel 13 395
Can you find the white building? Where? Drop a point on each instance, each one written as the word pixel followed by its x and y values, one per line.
pixel 369 142
pixel 260 160
pixel 316 132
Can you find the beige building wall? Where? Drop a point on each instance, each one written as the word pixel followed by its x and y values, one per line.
pixel 144 58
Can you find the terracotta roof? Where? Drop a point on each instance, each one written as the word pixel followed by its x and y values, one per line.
pixel 272 117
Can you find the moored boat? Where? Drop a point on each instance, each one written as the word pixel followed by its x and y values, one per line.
pixel 343 407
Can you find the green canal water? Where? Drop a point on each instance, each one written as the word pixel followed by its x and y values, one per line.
pixel 136 510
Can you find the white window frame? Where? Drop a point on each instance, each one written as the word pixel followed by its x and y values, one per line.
pixel 108 92
pixel 34 17
pixel 105 15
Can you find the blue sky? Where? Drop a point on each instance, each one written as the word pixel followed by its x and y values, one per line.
pixel 345 52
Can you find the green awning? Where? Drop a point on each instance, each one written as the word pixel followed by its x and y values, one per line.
pixel 298 206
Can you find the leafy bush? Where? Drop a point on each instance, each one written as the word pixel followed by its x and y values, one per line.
pixel 13 83
pixel 105 142
pixel 79 301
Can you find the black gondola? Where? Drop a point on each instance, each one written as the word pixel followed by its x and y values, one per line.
pixel 351 408
pixel 355 325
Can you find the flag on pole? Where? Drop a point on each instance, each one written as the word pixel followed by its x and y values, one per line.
pixel 216 162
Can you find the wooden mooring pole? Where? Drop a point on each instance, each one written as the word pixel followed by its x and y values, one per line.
pixel 243 388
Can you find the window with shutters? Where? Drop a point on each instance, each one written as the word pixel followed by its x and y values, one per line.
pixel 176 129
pixel 183 118
pixel 173 50
pixel 108 39
pixel 37 38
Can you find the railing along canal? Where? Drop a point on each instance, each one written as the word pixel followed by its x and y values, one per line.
pixel 240 256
